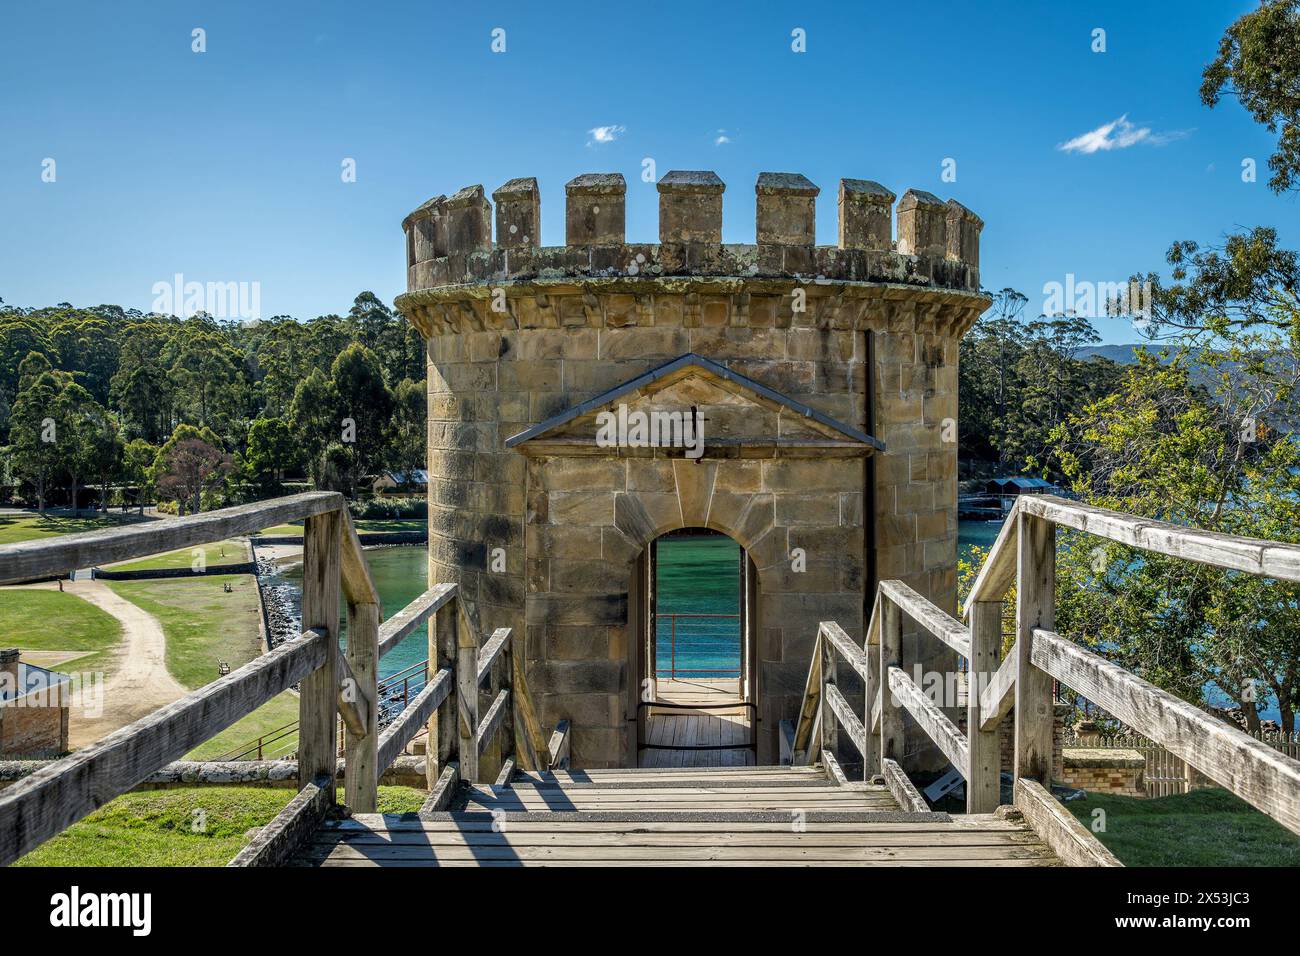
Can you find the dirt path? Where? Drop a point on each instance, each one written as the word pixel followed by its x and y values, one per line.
pixel 140 683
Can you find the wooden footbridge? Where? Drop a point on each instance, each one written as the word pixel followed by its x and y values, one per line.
pixel 536 809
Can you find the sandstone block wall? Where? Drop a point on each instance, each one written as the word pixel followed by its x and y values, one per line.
pixel 545 535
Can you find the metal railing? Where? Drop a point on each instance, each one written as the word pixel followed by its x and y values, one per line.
pixel 691 643
pixel 394 695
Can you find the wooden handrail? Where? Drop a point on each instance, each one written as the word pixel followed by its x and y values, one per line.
pixel 488 725
pixel 929 616
pixel 931 719
pixel 999 694
pixel 1024 555
pixel 825 709
pixel 332 685
pixel 998 572
pixel 490 651
pixel 60 794
pixel 1257 556
pixel 848 652
pixel 847 719
pixel 358 585
pixel 27 560
pixel 810 709
pixel 558 748
pixel 413 615
pixel 415 715
pixel 1265 778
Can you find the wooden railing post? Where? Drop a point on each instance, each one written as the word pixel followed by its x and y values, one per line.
pixel 1035 608
pixel 891 655
pixel 443 738
pixel 318 695
pixel 506 668
pixel 361 770
pixel 830 725
pixel 466 694
pixel 490 756
pixel 984 783
pixel 530 742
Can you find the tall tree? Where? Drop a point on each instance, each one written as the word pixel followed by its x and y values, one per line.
pixel 273 449
pixel 408 440
pixel 82 423
pixel 38 455
pixel 1166 447
pixel 363 405
pixel 1259 64
pixel 189 468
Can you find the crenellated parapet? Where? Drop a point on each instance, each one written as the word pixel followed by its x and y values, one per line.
pixel 449 239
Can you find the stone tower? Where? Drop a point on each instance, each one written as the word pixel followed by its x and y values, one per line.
pixel 823 378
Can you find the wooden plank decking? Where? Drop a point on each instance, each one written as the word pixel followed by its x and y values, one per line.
pixel 727 816
pixel 683 731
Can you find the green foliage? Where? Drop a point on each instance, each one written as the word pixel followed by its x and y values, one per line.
pixel 190 465
pixel 380 508
pixel 1018 379
pixel 1165 447
pixel 1259 64
pixel 1249 285
pixel 273 450
pixel 149 374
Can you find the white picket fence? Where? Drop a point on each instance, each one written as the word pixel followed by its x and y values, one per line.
pixel 1165 773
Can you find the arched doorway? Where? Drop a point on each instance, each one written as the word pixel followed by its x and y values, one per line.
pixel 696 650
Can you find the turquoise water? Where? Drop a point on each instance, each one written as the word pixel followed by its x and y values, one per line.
pixel 697 575
pixel 399 575
pixel 976 534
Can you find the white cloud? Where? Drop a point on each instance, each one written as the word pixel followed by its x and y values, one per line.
pixel 1118 134
pixel 722 138
pixel 601 135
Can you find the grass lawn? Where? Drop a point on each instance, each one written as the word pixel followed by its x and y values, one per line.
pixel 40 620
pixel 192 826
pixel 362 524
pixel 1202 828
pixel 274 714
pixel 202 622
pixel 29 525
pixel 234 551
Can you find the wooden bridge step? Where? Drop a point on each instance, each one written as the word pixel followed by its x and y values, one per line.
pixel 470 840
pixel 527 796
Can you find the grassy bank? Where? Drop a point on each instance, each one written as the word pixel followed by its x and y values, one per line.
pixel 271 716
pixel 234 551
pixel 57 629
pixel 194 826
pixel 203 622
pixel 30 525
pixel 1210 828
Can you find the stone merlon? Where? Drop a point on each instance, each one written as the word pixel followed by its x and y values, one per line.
pixel 690 207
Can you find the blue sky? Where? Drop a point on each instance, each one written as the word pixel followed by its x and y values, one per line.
pixel 225 165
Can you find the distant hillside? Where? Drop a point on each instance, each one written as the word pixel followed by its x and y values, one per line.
pixel 1124 355
pixel 1119 354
